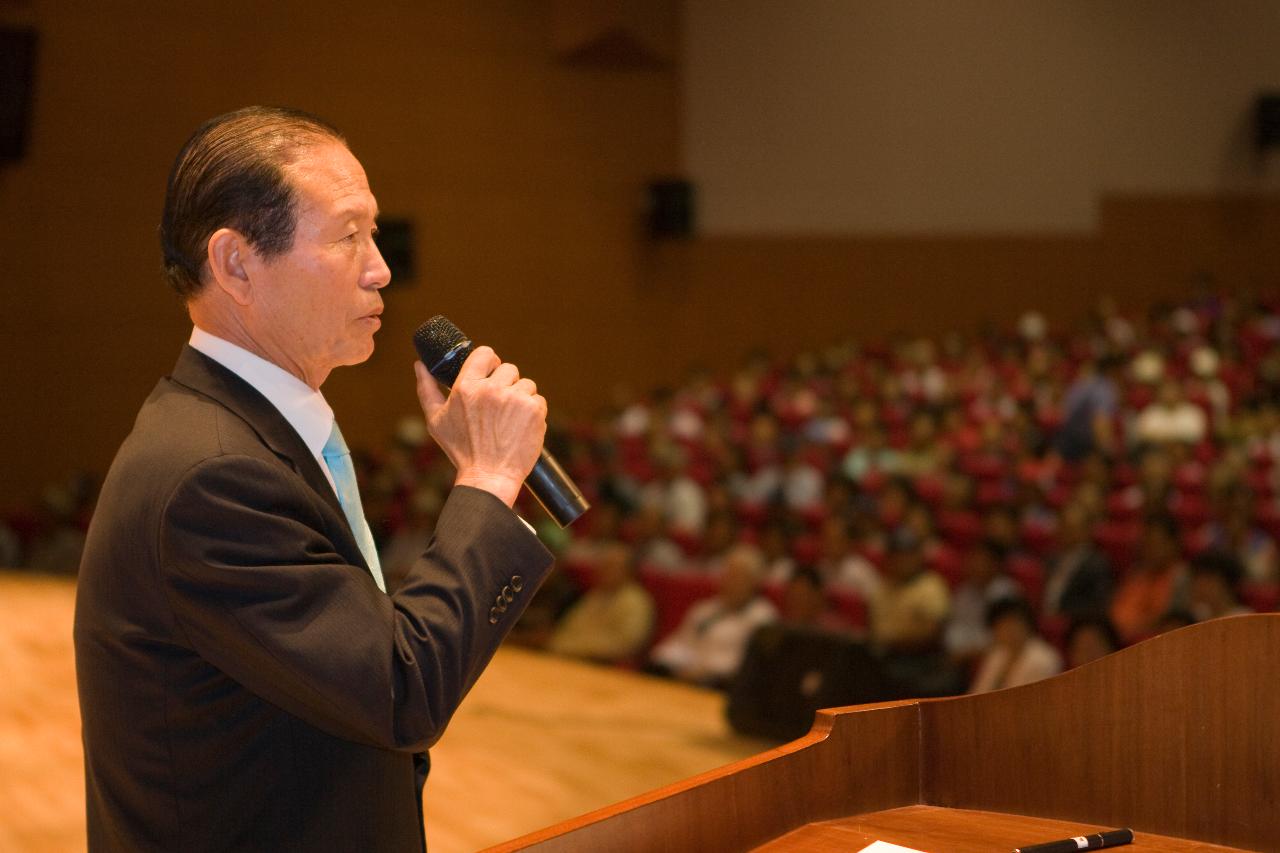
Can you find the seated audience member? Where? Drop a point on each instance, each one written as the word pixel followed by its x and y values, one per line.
pixel 985 583
pixel 588 546
pixel 1234 531
pixel 552 600
pixel 1172 621
pixel 1215 586
pixel 676 495
pixel 1153 587
pixel 1018 655
pixel 402 549
pixel 59 546
pixel 775 547
pixel 612 621
pixel 1171 418
pixel 801 485
pixel 840 564
pixel 911 606
pixel 805 604
pixel 10 547
pixel 872 455
pixel 708 646
pixel 1078 580
pixel 1090 637
pixel 654 548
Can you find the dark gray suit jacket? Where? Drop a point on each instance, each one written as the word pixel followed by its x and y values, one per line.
pixel 244 684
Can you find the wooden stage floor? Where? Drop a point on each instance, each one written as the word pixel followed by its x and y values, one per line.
pixel 539 740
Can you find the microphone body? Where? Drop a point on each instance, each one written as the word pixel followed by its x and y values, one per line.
pixel 443 348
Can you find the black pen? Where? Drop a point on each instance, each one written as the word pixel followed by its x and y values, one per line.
pixel 1097 841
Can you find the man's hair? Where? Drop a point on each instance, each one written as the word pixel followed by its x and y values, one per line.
pixel 230 174
pixel 1012 606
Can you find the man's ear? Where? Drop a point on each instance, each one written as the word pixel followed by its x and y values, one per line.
pixel 227 252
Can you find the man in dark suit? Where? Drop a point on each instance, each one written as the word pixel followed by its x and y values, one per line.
pixel 247 681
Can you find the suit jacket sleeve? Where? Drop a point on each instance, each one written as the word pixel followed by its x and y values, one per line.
pixel 261 593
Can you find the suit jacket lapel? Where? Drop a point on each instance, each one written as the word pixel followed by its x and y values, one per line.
pixel 202 374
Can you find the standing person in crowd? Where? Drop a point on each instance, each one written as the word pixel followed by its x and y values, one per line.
pixel 612 621
pixel 1079 578
pixel 1153 587
pixel 1018 655
pixel 1088 411
pixel 708 646
pixel 248 679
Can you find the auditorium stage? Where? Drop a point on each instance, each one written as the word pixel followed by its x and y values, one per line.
pixel 539 739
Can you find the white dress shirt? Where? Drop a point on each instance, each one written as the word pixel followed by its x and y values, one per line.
pixel 301 405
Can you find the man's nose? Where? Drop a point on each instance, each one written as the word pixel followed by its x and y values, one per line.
pixel 378 274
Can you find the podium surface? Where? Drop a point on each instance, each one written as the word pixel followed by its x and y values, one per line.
pixel 1175 737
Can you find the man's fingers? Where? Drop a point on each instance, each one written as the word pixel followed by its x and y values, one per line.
pixel 481 362
pixel 526 386
pixel 506 374
pixel 429 394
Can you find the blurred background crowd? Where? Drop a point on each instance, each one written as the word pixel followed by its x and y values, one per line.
pixel 978 510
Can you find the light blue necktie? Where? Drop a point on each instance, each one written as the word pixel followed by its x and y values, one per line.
pixel 338 457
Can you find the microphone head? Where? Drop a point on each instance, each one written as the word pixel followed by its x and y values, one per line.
pixel 442 347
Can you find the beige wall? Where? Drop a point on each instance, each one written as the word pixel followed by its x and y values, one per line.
pixel 978 116
pixel 524 177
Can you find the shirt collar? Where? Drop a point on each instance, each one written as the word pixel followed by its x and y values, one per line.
pixel 301 405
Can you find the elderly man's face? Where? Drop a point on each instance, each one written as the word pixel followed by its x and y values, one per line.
pixel 319 301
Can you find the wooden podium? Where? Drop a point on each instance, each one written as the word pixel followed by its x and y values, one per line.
pixel 1177 737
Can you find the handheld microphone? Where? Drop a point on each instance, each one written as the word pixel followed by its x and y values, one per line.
pixel 443 348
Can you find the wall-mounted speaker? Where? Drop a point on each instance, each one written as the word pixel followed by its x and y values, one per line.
pixel 395 242
pixel 1267 120
pixel 17 84
pixel 670 208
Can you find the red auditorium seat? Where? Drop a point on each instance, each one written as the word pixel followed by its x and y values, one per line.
pixel 673 595
pixel 1119 540
pixel 928 488
pixel 991 493
pixel 1124 505
pixel 1267 517
pixel 1029 574
pixel 1260 482
pixel 1189 478
pixel 850 606
pixel 948 562
pixel 1262 597
pixel 1189 510
pixel 1037 536
pixel 960 528
pixel 1196 540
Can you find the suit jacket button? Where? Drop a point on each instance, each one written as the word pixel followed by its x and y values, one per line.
pixel 507 595
pixel 493 616
pixel 517 583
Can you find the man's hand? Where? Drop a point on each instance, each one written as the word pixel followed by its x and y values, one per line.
pixel 491 426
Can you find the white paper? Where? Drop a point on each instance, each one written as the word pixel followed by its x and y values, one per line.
pixel 886 847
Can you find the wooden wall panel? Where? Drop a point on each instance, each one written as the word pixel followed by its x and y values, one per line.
pixel 525 178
